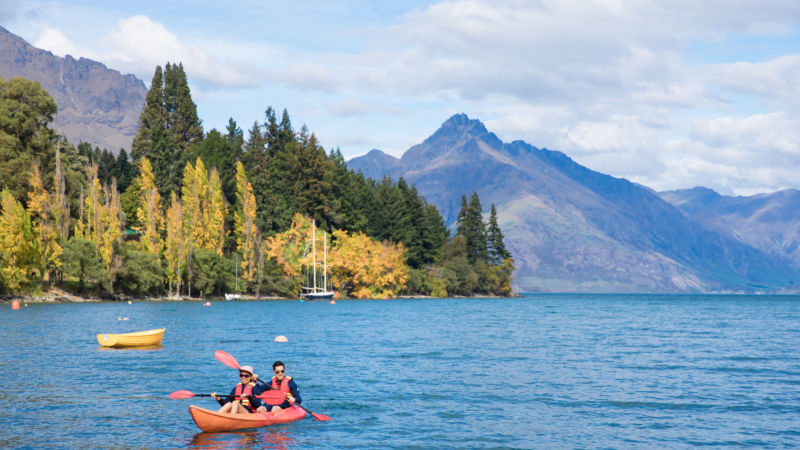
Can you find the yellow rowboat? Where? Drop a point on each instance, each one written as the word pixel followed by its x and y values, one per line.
pixel 137 339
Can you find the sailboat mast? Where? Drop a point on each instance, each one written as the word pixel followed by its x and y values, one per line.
pixel 325 261
pixel 314 251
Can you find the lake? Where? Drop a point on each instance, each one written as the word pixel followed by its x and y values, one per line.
pixel 541 371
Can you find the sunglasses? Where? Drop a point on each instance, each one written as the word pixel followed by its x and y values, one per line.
pixel 245 375
pixel 280 371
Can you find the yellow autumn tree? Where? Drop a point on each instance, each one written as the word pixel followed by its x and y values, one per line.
pixel 110 223
pixel 19 251
pixel 192 213
pixel 149 211
pixel 290 248
pixel 175 244
pixel 100 216
pixel 366 268
pixel 40 209
pixel 248 237
pixel 214 212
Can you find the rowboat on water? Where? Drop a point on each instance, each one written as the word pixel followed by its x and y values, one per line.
pixel 137 339
pixel 213 421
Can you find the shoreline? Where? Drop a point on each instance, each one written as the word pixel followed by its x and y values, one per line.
pixel 57 295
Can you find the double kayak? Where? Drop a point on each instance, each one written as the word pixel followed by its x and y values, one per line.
pixel 213 421
pixel 137 339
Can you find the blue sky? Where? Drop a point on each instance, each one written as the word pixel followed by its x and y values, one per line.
pixel 670 94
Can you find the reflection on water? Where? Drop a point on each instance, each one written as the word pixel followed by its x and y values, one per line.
pixel 265 437
pixel 143 347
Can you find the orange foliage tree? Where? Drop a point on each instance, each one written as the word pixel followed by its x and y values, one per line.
pixel 366 268
pixel 290 248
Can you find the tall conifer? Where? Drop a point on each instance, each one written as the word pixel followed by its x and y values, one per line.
pixel 494 240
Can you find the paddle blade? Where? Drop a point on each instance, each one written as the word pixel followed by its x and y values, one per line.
pixel 181 394
pixel 272 397
pixel 321 417
pixel 227 359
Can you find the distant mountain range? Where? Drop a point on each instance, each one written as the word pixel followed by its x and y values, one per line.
pixel 768 222
pixel 568 227
pixel 95 104
pixel 573 229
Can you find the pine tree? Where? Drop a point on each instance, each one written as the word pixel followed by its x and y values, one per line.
pixel 168 127
pixel 123 171
pixel 494 239
pixel 152 115
pixel 470 225
pixel 182 119
pixel 312 178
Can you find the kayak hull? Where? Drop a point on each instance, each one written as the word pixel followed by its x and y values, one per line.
pixel 137 339
pixel 212 421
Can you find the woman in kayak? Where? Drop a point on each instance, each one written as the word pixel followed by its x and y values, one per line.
pixel 243 395
pixel 282 382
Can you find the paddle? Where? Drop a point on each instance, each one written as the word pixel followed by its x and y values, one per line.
pixel 230 361
pixel 271 397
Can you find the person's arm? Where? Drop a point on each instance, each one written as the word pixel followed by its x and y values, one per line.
pixel 254 401
pixel 295 392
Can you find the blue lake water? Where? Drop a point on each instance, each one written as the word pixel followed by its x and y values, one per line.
pixel 540 371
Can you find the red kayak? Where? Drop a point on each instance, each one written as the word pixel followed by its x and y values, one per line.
pixel 212 421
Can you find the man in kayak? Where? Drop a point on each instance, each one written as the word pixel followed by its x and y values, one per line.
pixel 282 382
pixel 244 392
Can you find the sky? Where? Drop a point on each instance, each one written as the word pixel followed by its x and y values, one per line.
pixel 671 94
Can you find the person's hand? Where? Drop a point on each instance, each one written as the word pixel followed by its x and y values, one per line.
pixel 214 396
pixel 254 378
pixel 290 398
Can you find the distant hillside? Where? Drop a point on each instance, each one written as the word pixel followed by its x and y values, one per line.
pixel 95 104
pixel 376 164
pixel 573 229
pixel 768 222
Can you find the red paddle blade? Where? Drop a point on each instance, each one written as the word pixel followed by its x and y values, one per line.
pixel 272 397
pixel 181 394
pixel 226 359
pixel 321 417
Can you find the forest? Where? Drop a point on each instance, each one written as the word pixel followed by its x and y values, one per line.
pixel 189 213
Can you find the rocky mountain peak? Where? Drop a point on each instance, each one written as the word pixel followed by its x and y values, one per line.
pixel 95 104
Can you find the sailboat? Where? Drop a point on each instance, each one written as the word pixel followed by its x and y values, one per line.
pixel 314 292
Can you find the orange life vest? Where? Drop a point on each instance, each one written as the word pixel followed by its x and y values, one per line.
pixel 283 387
pixel 243 396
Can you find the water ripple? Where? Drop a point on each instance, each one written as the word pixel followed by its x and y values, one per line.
pixel 546 371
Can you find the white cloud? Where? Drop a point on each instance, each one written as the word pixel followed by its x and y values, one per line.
pixel 139 44
pixel 53 40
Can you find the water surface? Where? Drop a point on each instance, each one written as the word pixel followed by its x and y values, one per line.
pixel 540 371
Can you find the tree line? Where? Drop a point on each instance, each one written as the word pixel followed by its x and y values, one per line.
pixel 195 213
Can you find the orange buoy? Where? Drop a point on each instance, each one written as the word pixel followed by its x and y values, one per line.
pixel 15 304
pixel 333 302
pixel 281 338
pixel 207 304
